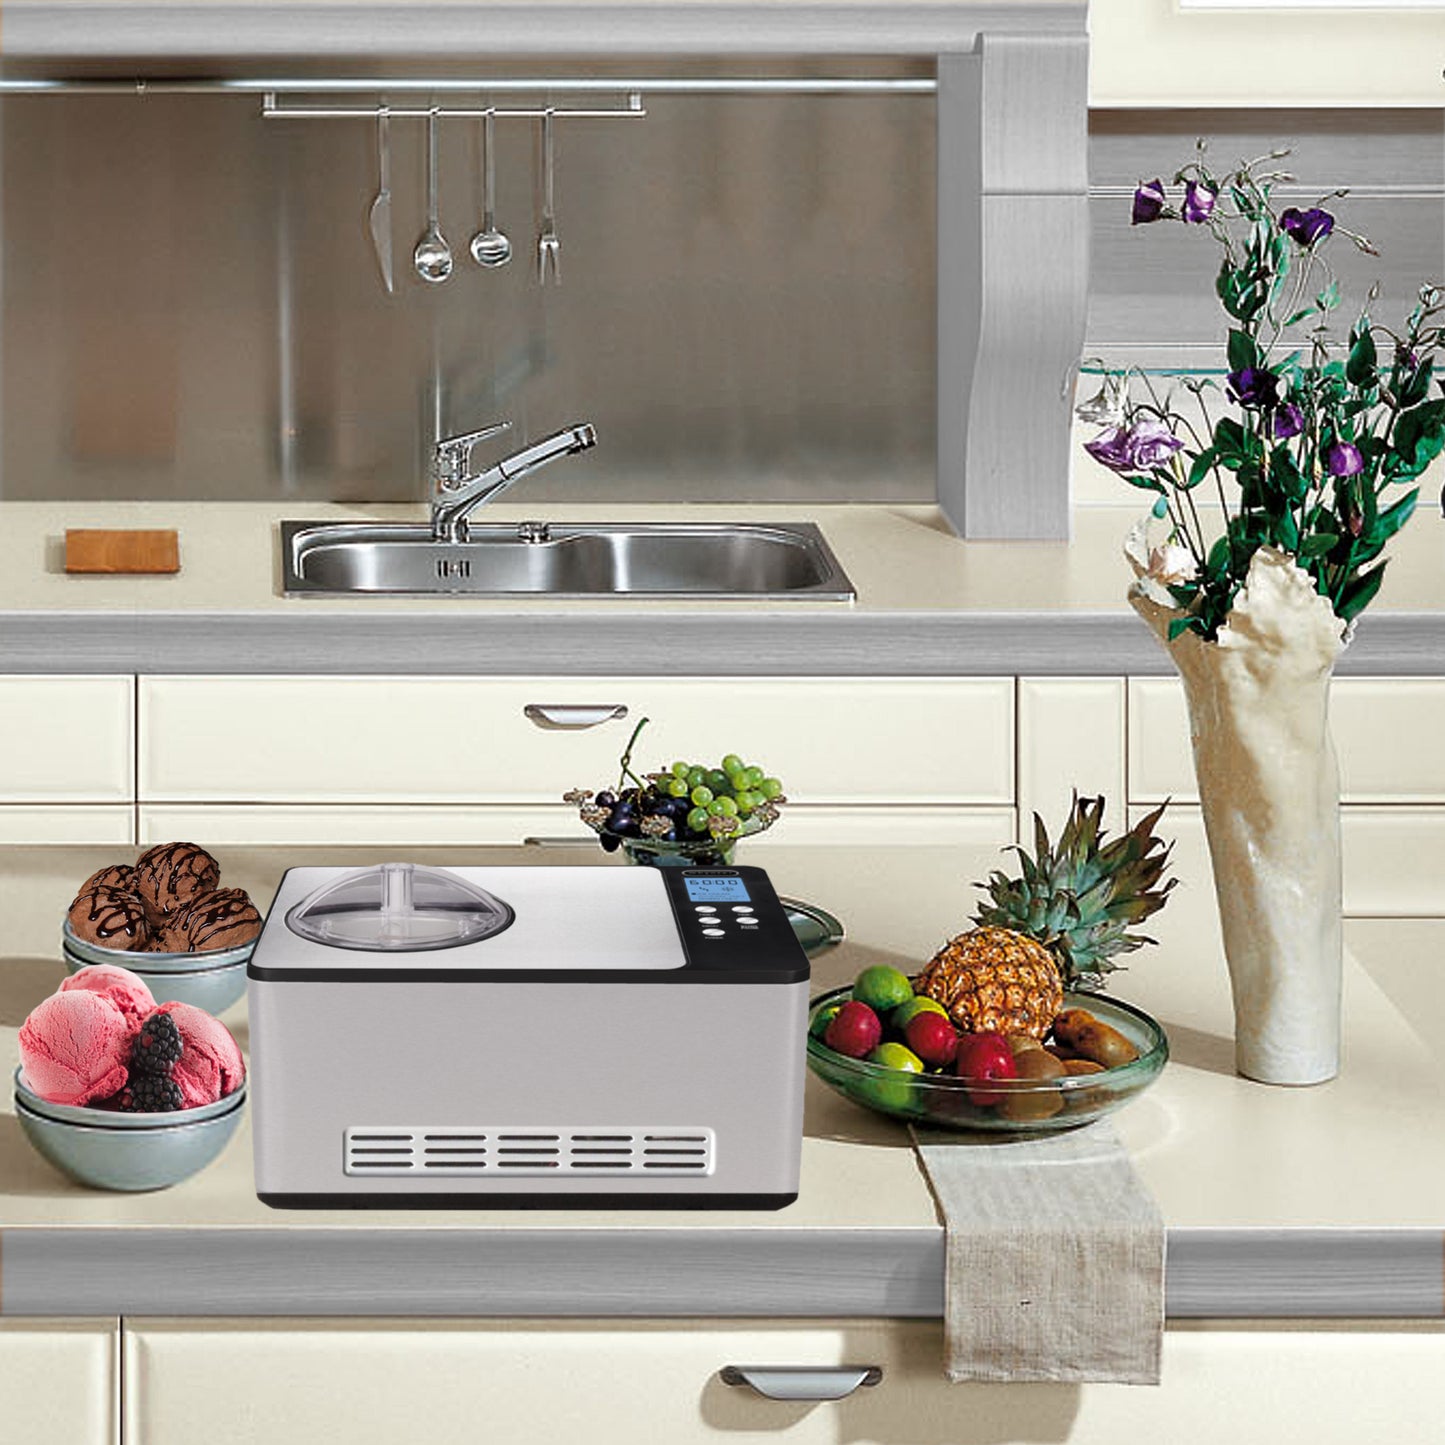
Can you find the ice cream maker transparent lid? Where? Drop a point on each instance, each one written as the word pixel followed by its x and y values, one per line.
pixel 399 908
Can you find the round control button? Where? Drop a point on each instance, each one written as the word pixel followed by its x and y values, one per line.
pixel 714 932
pixel 741 908
pixel 704 908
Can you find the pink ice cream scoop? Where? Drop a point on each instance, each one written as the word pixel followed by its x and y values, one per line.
pixel 74 1047
pixel 126 990
pixel 210 1065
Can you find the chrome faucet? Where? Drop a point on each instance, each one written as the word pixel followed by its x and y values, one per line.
pixel 458 493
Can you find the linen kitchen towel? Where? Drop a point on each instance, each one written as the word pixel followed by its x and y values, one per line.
pixel 1054 1257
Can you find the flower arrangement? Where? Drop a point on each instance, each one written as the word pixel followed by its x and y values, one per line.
pixel 1311 435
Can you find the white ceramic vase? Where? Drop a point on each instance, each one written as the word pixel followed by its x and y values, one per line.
pixel 1269 791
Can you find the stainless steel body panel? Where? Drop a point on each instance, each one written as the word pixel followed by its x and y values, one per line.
pixel 328 1057
pixel 710 560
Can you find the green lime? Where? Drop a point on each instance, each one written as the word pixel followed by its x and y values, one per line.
pixel 818 1026
pixel 882 988
pixel 896 1056
pixel 904 1013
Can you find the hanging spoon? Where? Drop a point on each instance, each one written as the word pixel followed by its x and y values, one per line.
pixel 432 257
pixel 489 246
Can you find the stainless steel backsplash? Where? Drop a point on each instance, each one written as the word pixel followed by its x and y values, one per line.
pixel 192 308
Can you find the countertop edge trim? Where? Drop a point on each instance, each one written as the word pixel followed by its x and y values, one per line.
pixel 666 1273
pixel 721 643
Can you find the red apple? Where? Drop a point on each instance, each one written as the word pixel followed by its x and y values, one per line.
pixel 855 1030
pixel 984 1056
pixel 932 1038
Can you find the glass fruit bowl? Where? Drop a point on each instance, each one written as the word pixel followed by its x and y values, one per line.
pixel 997 1105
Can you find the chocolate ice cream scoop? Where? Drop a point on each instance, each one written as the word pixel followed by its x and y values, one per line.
pixel 171 876
pixel 224 918
pixel 170 937
pixel 120 876
pixel 110 918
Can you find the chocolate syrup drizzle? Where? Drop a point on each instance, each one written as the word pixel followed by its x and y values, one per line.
pixel 171 875
pixel 112 912
pixel 215 915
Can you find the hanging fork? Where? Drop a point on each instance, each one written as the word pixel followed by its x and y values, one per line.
pixel 548 246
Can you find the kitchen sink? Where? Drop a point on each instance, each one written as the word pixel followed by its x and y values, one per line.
pixel 714 560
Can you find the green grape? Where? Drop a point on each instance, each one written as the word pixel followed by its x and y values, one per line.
pixel 732 764
pixel 696 777
pixel 677 788
pixel 717 808
pixel 747 801
pixel 681 770
pixel 726 806
pixel 701 795
pixel 770 788
pixel 717 780
pixel 697 820
pixel 752 777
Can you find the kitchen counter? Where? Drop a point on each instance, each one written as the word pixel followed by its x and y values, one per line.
pixel 928 604
pixel 1279 1202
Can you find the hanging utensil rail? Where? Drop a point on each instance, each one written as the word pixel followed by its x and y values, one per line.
pixel 295 98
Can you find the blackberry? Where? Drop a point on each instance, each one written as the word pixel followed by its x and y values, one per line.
pixel 157 1046
pixel 151 1094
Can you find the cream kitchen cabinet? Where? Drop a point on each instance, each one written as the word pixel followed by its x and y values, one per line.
pixel 614 1382
pixel 522 741
pixel 60 1381
pixel 1181 53
pixel 67 759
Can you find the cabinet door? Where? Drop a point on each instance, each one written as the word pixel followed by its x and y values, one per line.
pixel 1171 53
pixel 59 1381
pixel 1388 732
pixel 527 740
pixel 67 740
pixel 1071 736
pixel 618 1382
pixel 80 823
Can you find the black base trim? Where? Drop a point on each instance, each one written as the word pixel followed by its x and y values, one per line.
pixel 528 1201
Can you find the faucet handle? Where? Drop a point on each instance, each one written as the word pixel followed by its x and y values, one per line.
pixel 453 454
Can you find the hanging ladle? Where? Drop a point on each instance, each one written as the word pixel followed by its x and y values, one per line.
pixel 432 257
pixel 489 246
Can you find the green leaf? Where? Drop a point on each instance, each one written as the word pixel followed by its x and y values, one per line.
pixel 1329 298
pixel 1230 445
pixel 1359 593
pixel 1161 507
pixel 1185 624
pixel 1360 367
pixel 1394 517
pixel 1145 483
pixel 1201 467
pixel 1287 533
pixel 1242 351
pixel 1298 316
pixel 1317 545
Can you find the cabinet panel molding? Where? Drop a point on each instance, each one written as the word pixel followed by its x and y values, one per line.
pixel 462 740
pixel 67 739
pixel 70 823
pixel 60 1381
pixel 1071 736
pixel 613 1382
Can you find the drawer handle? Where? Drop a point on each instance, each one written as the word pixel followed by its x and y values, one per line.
pixel 563 840
pixel 573 715
pixel 802 1382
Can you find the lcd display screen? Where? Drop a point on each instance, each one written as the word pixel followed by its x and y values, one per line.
pixel 716 890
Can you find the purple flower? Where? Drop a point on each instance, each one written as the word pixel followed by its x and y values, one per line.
pixel 1289 421
pixel 1148 443
pixel 1252 386
pixel 1151 443
pixel 1309 226
pixel 1344 459
pixel 1198 202
pixel 1111 447
pixel 1148 202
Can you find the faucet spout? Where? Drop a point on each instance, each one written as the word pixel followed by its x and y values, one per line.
pixel 462 496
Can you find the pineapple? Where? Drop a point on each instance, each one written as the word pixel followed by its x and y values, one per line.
pixel 993 980
pixel 1056 927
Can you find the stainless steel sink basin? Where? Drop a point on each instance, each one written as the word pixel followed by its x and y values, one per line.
pixel 689 560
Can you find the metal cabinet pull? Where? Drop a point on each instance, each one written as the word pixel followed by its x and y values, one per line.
pixel 802 1382
pixel 563 840
pixel 573 715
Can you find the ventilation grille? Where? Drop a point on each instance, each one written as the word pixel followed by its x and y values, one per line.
pixel 531 1150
